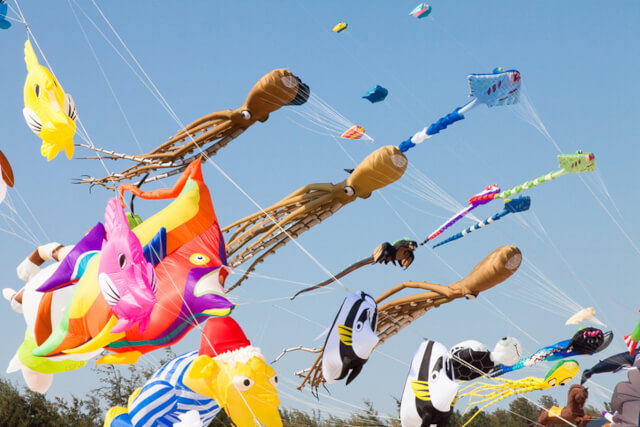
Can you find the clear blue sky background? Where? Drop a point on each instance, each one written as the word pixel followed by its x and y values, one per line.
pixel 578 62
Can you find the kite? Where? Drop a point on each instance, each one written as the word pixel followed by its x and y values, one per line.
pixel 354 132
pixel 126 279
pixel 68 318
pixel 340 27
pixel 6 176
pixel 48 111
pixel 421 11
pixel 475 201
pixel 4 8
pixel 574 163
pixel 351 339
pixel 209 133
pixel 611 364
pixel 394 315
pixel 572 414
pixel 520 204
pixel 632 339
pixel 227 372
pixel 498 88
pixel 581 316
pixel 587 341
pixel 266 231
pixel 625 400
pixel 472 359
pixel 560 374
pixel 430 389
pixel 376 94
pixel 401 251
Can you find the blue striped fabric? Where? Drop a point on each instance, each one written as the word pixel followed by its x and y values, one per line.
pixel 164 397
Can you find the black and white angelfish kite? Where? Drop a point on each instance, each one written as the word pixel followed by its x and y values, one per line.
pixel 430 390
pixel 351 339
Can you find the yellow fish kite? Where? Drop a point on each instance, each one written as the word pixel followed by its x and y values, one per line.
pixel 48 111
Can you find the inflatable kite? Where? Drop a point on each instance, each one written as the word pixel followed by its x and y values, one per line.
pixel 625 400
pixel 430 389
pixel 632 339
pixel 266 231
pixel 209 133
pixel 498 88
pixel 475 201
pixel 574 163
pixel 340 27
pixel 67 315
pixel 519 204
pixel 572 414
pixel 4 8
pixel 421 11
pixel 48 111
pixel 480 392
pixel 6 176
pixel 354 132
pixel 471 359
pixel 227 372
pixel 376 94
pixel 401 251
pixel 611 364
pixel 394 315
pixel 587 341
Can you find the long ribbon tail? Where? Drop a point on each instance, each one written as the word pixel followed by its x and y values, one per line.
pixel 434 128
pixel 450 222
pixel 351 268
pixel 530 184
pixel 473 228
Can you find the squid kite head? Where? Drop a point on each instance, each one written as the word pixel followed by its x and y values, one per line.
pixel 241 382
pixel 384 166
pixel 48 111
pixel 497 267
pixel 562 373
pixel 498 88
pixel 127 281
pixel 578 162
pixel 274 90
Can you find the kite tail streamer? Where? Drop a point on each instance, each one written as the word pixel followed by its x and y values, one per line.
pixel 473 228
pixel 433 129
pixel 530 184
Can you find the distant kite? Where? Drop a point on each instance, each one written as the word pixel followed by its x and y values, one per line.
pixel 342 26
pixel 376 94
pixel 421 11
pixel 354 132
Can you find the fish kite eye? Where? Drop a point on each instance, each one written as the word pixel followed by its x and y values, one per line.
pixel 122 260
pixel 358 326
pixel 246 114
pixel 199 259
pixel 435 375
pixel 36 89
pixel 274 380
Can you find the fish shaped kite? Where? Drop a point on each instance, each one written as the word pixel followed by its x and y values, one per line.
pixel 354 132
pixel 494 89
pixel 376 94
pixel 520 204
pixel 340 27
pixel 49 112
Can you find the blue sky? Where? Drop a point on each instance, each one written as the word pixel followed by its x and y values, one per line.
pixel 578 67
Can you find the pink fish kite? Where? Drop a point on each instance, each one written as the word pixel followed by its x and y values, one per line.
pixel 127 281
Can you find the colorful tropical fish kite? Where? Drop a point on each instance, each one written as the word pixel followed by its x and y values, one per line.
pixel 498 88
pixel 421 11
pixel 520 204
pixel 49 112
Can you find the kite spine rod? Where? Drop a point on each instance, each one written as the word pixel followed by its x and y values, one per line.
pixel 473 228
pixel 530 184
